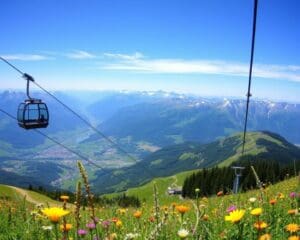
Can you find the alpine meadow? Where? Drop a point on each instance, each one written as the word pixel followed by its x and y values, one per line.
pixel 150 120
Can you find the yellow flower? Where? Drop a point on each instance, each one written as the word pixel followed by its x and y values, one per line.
pixel 137 214
pixel 292 227
pixel 66 228
pixel 54 214
pixel 64 198
pixel 294 238
pixel 235 216
pixel 113 236
pixel 119 223
pixel 182 233
pixel 182 209
pixel 122 210
pixel 280 196
pixel 260 225
pixel 256 212
pixel 265 237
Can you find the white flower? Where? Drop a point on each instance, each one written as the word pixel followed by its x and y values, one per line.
pixel 182 233
pixel 47 228
pixel 130 236
pixel 252 199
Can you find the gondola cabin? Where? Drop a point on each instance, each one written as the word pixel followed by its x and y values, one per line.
pixel 33 113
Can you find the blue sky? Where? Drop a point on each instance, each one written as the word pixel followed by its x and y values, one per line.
pixel 201 47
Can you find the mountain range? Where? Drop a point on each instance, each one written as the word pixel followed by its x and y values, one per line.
pixel 142 123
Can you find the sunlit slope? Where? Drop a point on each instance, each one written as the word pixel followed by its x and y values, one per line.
pixel 145 192
pixel 19 194
pixel 191 156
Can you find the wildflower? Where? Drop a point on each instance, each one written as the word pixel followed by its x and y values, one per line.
pixel 34 213
pixel 252 199
pixel 293 195
pixel 106 224
pixel 91 226
pixel 205 217
pixel 47 228
pixel 39 205
pixel 182 209
pixel 182 233
pixel 260 225
pixel 151 219
pixel 137 214
pixel 122 211
pixel 81 232
pixel 294 238
pixel 256 212
pixel 113 236
pixel 231 208
pixel 114 219
pixel 292 227
pixel 54 214
pixel 130 236
pixel 66 227
pixel 273 201
pixel 235 216
pixel 119 223
pixel 292 211
pixel 64 198
pixel 265 237
pixel 281 196
pixel 220 193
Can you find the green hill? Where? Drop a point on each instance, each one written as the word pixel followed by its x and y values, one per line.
pixel 18 194
pixel 188 156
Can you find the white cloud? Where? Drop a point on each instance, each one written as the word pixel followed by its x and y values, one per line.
pixel 131 57
pixel 79 54
pixel 26 57
pixel 138 63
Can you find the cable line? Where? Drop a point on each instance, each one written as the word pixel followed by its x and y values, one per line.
pixel 67 148
pixel 114 144
pixel 250 72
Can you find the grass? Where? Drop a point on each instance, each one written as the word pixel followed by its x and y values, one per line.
pixel 202 218
pixel 145 192
pixel 6 191
pixel 251 147
pixel 18 196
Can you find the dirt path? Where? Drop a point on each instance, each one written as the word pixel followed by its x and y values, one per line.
pixel 23 193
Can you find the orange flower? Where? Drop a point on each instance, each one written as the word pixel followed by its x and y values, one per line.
pixel 66 227
pixel 260 225
pixel 205 217
pixel 292 227
pixel 137 214
pixel 115 219
pixel 64 198
pixel 182 209
pixel 220 193
pixel 273 201
pixel 265 237
pixel 292 211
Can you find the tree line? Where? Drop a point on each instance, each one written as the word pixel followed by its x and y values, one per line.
pixel 216 179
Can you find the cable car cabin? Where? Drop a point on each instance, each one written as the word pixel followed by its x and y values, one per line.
pixel 33 113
